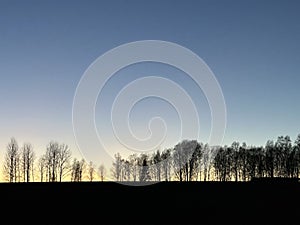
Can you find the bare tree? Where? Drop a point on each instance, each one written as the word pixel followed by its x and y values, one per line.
pixel 52 158
pixel 27 161
pixel 126 171
pixel 81 169
pixel 133 161
pixel 18 168
pixel 42 167
pixel 143 163
pixel 209 153
pixel 297 156
pixel 166 164
pixel 77 170
pixel 102 172
pixel 178 162
pixel 243 163
pixel 235 159
pixel 184 161
pixel 117 167
pixel 195 161
pixel 222 164
pixel 57 160
pixel 206 160
pixel 64 156
pixel 156 161
pixel 11 161
pixel 91 171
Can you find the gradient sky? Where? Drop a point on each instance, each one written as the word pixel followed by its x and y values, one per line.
pixel 251 46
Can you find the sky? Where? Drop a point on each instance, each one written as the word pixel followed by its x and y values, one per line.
pixel 252 47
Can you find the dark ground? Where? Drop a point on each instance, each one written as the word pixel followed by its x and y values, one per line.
pixel 266 202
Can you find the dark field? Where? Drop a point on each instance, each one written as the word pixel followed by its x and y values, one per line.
pixel 269 202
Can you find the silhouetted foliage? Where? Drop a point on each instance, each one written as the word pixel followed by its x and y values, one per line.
pixel 279 159
pixel 193 161
pixel 189 160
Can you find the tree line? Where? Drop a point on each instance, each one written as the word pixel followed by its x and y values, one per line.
pixel 189 160
pixel 55 165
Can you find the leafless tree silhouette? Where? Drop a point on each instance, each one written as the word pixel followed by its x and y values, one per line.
pixel 133 161
pixel 116 169
pixel 91 171
pixel 64 156
pixel 11 163
pixel 166 164
pixel 102 172
pixel 77 170
pixel 42 167
pixel 27 162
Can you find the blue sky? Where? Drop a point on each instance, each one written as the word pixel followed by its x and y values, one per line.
pixel 251 46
